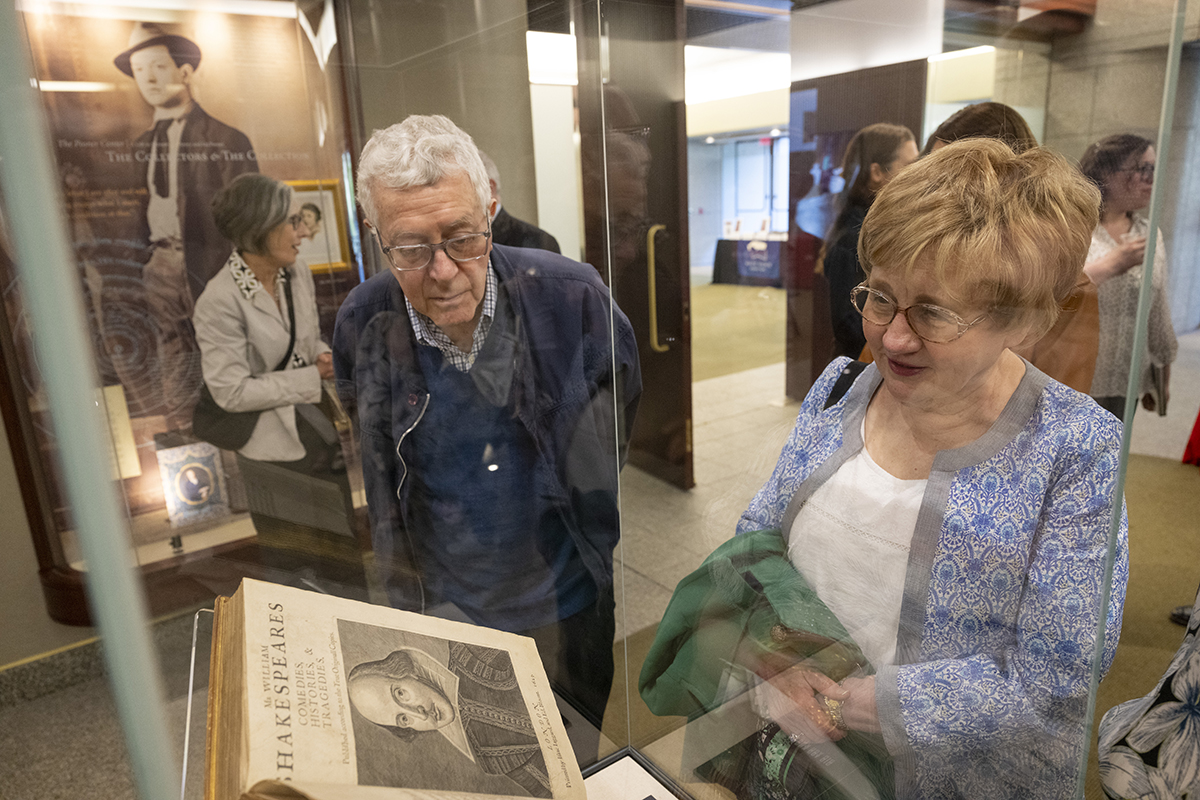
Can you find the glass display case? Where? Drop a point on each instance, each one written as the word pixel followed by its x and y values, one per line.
pixel 564 445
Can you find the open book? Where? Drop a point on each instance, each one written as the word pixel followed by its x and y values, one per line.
pixel 312 696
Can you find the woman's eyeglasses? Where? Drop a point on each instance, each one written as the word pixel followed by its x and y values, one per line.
pixel 408 257
pixel 931 323
pixel 1144 171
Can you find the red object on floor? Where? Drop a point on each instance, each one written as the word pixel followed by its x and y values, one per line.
pixel 1191 453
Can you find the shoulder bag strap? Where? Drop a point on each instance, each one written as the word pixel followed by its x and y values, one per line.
pixel 849 373
pixel 842 385
pixel 287 294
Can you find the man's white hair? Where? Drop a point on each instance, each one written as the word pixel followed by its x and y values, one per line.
pixel 419 151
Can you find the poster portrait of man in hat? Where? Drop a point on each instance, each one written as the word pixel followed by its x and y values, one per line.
pixel 183 159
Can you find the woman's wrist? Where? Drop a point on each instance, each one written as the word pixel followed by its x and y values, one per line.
pixel 858 711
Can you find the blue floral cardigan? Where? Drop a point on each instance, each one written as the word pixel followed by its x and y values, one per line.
pixel 1003 592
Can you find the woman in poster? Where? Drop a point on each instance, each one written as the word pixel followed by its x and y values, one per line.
pixel 257 326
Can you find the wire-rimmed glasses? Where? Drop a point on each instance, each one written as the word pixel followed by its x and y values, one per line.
pixel 411 257
pixel 929 322
pixel 1144 171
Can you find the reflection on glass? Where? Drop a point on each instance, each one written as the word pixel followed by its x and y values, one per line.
pixel 264 367
pixel 485 392
pixel 618 120
pixel 150 119
pixel 1122 166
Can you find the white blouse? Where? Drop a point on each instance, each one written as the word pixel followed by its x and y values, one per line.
pixel 1118 297
pixel 850 541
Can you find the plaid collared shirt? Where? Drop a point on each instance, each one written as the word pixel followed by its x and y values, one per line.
pixel 429 333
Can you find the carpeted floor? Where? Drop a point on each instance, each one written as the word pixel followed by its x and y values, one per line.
pixel 736 328
pixel 1163 499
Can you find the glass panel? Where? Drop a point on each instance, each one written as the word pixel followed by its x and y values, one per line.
pixel 915 65
pixel 138 198
pixel 509 521
pixel 651 141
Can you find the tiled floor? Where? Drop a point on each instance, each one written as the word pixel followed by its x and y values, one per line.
pixel 739 425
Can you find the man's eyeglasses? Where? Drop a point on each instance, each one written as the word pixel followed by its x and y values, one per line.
pixel 1144 171
pixel 408 257
pixel 931 323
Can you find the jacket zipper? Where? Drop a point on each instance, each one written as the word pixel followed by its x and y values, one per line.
pixel 399 486
pixel 400 441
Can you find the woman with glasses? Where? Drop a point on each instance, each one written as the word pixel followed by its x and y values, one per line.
pixel 951 506
pixel 1123 167
pixel 260 343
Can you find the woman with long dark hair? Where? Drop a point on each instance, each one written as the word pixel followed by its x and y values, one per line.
pixel 874 154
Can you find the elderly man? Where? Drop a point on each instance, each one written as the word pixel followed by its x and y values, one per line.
pixel 495 388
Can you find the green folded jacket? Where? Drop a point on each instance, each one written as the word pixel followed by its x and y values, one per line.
pixel 746 604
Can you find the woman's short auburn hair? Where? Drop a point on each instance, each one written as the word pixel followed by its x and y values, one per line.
pixel 1005 231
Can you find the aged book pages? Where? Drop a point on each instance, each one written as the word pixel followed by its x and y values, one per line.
pixel 312 696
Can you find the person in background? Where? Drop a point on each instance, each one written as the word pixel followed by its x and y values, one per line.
pixel 991 120
pixel 507 229
pixel 873 156
pixel 1067 352
pixel 495 389
pixel 244 326
pixel 953 508
pixel 1122 166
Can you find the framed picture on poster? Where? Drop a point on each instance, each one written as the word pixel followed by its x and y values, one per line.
pixel 325 248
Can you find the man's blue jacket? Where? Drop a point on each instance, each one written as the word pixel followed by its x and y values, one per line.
pixel 549 356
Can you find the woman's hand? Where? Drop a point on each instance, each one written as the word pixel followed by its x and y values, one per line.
pixel 325 366
pixel 795 701
pixel 1128 254
pixel 858 709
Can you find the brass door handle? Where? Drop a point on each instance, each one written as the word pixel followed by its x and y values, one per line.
pixel 652 290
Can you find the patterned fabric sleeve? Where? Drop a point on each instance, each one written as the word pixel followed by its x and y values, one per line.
pixel 799 455
pixel 1007 719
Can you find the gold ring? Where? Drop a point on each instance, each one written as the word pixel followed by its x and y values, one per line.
pixel 834 708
